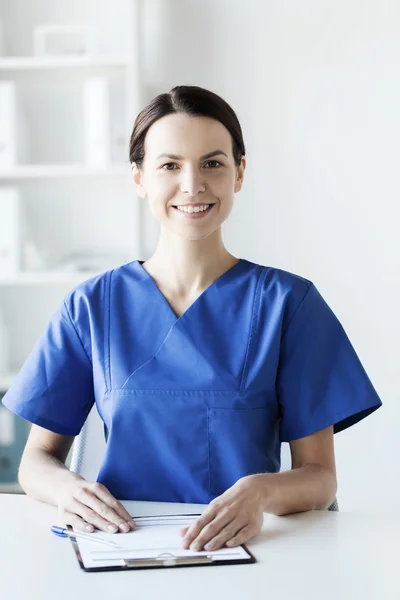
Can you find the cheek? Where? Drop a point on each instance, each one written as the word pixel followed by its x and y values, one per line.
pixel 222 185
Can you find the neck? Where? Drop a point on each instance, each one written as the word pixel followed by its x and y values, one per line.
pixel 186 267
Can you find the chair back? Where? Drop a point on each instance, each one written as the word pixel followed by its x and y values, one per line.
pixel 88 447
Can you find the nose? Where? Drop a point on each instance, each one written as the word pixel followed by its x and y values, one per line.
pixel 192 182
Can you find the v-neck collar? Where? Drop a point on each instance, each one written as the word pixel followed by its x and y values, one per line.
pixel 226 275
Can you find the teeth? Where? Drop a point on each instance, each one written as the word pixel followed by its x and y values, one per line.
pixel 191 209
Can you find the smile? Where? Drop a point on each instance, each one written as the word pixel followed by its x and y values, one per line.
pixel 192 209
pixel 197 211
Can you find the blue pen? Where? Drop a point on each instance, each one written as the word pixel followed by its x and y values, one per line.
pixel 67 533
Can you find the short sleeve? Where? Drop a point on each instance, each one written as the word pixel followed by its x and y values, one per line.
pixel 320 380
pixel 54 388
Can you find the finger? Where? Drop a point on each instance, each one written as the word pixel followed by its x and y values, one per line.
pixel 241 537
pixel 212 530
pixel 224 535
pixel 90 515
pixel 88 498
pixel 194 530
pixel 105 495
pixel 77 522
pixel 183 531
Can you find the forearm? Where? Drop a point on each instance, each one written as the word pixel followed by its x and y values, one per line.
pixel 41 475
pixel 311 487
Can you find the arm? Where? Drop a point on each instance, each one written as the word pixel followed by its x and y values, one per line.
pixel 42 469
pixel 311 484
pixel 44 476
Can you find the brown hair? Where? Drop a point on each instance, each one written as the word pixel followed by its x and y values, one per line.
pixel 191 100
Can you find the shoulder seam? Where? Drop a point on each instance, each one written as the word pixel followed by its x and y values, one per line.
pixel 254 319
pixel 297 308
pixel 76 332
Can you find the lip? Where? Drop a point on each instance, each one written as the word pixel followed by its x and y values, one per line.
pixel 194 204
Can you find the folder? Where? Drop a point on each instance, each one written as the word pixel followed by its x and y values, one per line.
pixel 154 544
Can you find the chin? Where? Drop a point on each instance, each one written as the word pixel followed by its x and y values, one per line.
pixel 196 235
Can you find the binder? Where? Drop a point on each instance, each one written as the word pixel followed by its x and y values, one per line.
pixel 10 231
pixel 8 125
pixel 96 121
pixel 14 137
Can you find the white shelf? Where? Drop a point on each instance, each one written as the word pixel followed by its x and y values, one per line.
pixel 6 380
pixel 72 170
pixel 47 277
pixel 28 63
pixel 11 488
pixel 92 209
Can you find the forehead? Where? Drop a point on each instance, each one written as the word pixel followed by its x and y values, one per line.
pixel 186 135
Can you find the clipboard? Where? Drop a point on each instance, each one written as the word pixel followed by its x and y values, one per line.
pixel 168 560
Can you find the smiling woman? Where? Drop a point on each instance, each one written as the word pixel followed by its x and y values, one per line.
pixel 200 363
pixel 189 186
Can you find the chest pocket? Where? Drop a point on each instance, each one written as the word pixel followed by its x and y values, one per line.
pixel 243 440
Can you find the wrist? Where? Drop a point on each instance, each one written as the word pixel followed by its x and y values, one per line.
pixel 266 490
pixel 63 480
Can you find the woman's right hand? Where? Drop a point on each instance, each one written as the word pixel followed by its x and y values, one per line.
pixel 88 505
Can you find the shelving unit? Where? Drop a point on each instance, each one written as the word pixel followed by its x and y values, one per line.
pixel 46 278
pixel 62 171
pixel 6 379
pixel 25 63
pixel 69 206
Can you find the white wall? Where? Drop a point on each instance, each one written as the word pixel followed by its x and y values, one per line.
pixel 316 86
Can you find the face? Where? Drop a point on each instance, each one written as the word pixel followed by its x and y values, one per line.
pixel 188 175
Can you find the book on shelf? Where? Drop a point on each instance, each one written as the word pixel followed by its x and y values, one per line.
pixel 10 231
pixel 13 127
pixel 96 122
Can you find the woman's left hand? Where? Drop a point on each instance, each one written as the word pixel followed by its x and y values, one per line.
pixel 230 519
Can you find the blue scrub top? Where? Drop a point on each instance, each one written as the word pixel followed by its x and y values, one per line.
pixel 192 404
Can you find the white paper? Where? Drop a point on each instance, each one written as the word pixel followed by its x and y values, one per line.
pixel 154 536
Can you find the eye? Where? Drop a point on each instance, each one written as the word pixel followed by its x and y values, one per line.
pixel 215 164
pixel 168 165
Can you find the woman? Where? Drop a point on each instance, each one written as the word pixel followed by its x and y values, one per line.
pixel 200 363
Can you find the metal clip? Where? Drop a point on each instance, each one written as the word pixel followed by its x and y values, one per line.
pixel 166 559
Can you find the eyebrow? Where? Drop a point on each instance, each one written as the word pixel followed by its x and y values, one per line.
pixel 178 157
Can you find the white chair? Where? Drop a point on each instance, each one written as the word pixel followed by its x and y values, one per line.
pixel 89 446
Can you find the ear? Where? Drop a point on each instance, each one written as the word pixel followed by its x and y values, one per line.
pixel 240 174
pixel 137 178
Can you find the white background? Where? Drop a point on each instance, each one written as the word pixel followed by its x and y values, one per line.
pixel 316 86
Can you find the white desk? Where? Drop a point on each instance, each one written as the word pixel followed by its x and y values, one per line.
pixel 316 555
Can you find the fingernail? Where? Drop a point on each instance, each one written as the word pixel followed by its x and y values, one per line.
pixel 112 528
pixel 124 527
pixel 89 528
